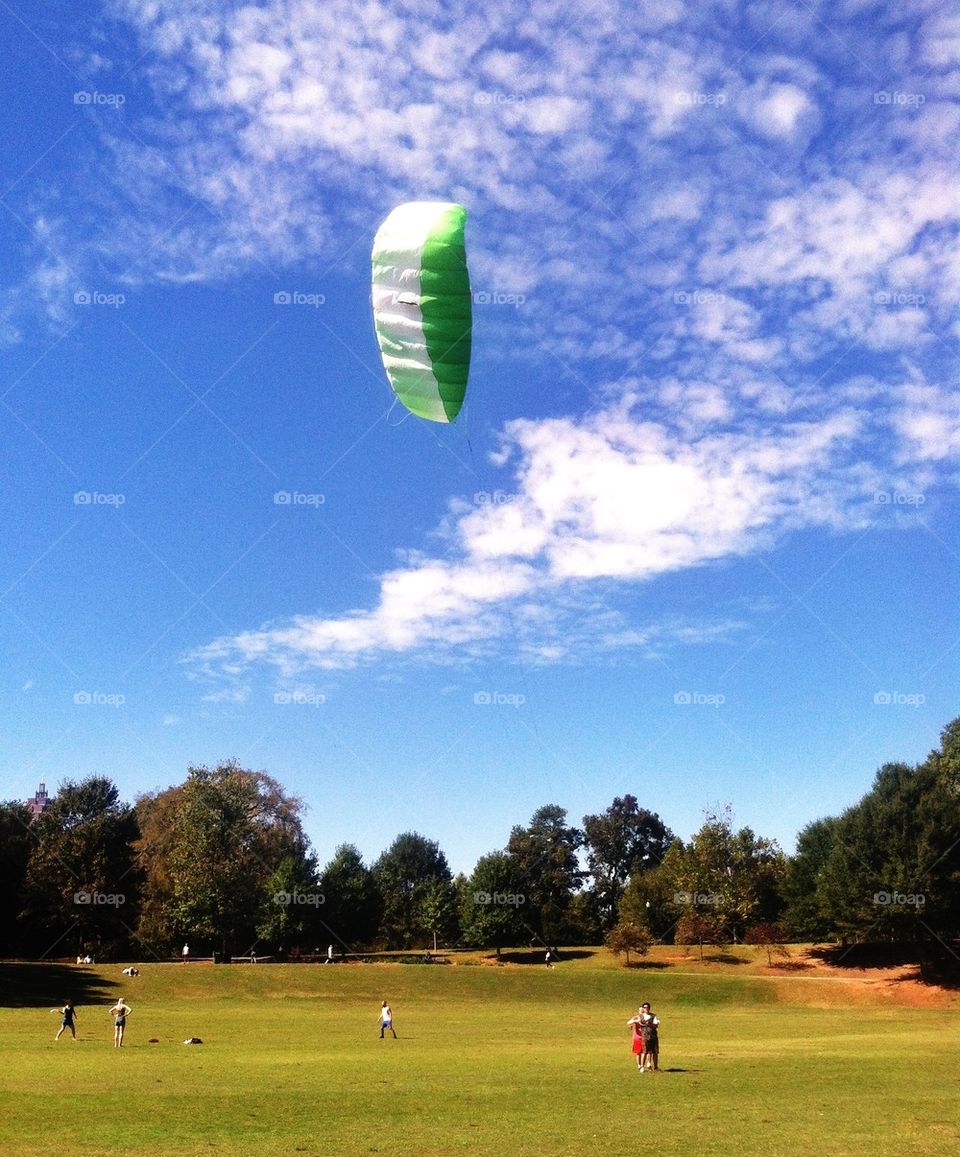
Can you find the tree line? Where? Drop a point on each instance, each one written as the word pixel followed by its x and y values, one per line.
pixel 222 861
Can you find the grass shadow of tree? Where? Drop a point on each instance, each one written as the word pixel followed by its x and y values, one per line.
pixel 30 985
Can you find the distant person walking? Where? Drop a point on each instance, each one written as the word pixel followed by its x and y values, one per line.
pixel 548 959
pixel 68 1017
pixel 386 1020
pixel 185 954
pixel 119 1012
pixel 329 959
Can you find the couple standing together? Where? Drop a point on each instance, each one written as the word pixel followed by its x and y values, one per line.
pixel 646 1041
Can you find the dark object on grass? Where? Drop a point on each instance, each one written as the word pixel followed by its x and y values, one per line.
pixel 193 1040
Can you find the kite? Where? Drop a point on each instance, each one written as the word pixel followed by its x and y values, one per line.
pixel 422 306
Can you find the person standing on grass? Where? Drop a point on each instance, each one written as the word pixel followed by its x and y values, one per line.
pixel 68 1015
pixel 637 1038
pixel 119 1012
pixel 651 1038
pixel 185 954
pixel 386 1020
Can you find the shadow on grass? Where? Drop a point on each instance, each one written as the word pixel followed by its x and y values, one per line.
pixel 535 956
pixel 935 964
pixel 29 985
pixel 646 965
pixel 724 958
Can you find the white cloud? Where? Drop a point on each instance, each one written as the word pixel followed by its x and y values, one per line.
pixel 612 497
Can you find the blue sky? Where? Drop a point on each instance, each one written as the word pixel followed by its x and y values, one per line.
pixel 694 535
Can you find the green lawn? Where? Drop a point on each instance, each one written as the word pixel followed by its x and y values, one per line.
pixel 520 1060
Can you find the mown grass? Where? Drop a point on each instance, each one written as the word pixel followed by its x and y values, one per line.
pixel 489 1061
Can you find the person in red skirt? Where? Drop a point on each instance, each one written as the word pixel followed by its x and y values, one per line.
pixel 637 1041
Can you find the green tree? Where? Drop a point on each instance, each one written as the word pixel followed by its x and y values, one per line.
pixel 210 849
pixel 735 876
pixel 545 854
pixel 622 842
pixel 82 885
pixel 352 904
pixel 403 875
pixel 494 903
pixel 15 845
pixel 627 936
pixel 804 917
pixel 438 911
pixel 294 901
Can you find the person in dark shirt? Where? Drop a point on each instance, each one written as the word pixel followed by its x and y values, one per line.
pixel 68 1016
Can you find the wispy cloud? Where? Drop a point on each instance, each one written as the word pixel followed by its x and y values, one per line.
pixel 735 231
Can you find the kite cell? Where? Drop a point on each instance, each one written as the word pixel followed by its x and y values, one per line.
pixel 422 306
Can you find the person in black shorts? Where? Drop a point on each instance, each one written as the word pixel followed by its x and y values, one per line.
pixel 120 1012
pixel 68 1016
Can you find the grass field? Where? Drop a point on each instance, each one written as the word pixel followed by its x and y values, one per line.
pixel 513 1060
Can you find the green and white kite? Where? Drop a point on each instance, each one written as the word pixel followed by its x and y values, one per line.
pixel 422 306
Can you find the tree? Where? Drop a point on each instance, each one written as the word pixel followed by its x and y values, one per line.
pixel 493 906
pixel 545 854
pixel 438 911
pixel 210 849
pixel 736 876
pixel 769 936
pixel 15 846
pixel 82 885
pixel 622 842
pixel 804 916
pixel 627 936
pixel 294 901
pixel 403 875
pixel 699 928
pixel 352 904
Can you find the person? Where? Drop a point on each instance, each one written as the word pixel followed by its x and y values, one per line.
pixel 548 959
pixel 119 1012
pixel 329 959
pixel 185 954
pixel 649 1024
pixel 637 1038
pixel 68 1016
pixel 386 1020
